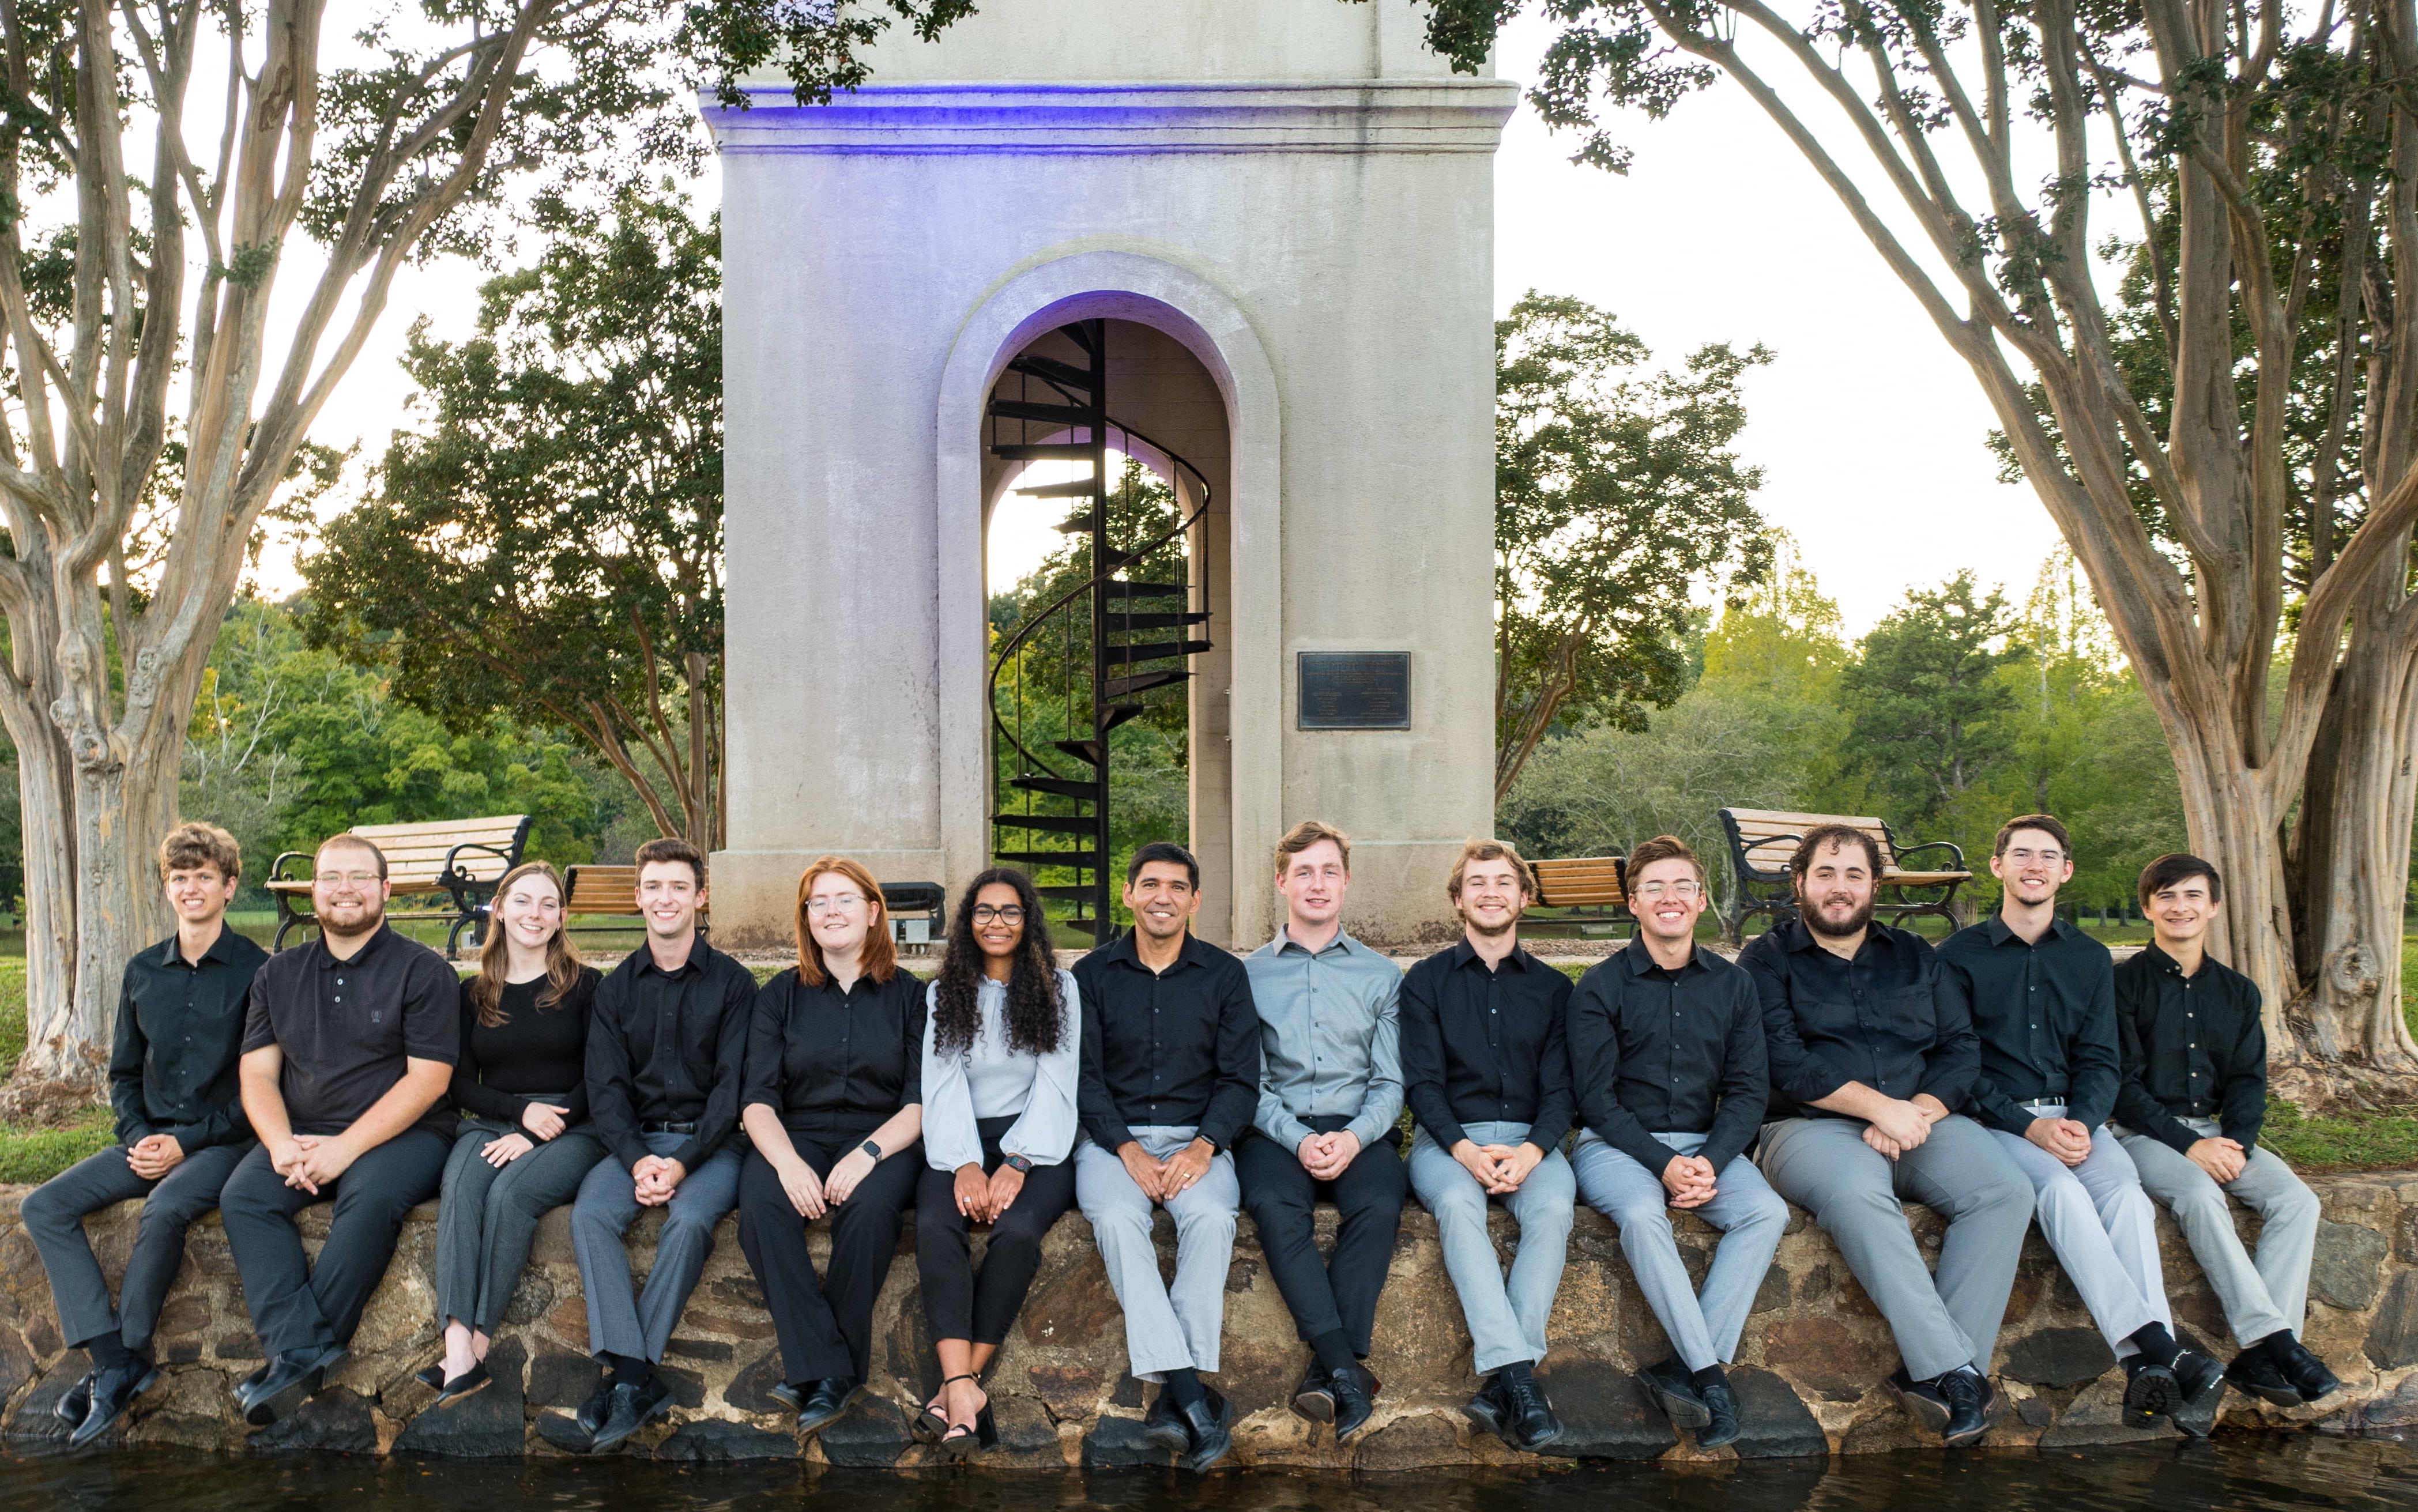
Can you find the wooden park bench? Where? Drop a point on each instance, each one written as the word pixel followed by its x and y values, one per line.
pixel 1588 889
pixel 612 891
pixel 463 859
pixel 1763 841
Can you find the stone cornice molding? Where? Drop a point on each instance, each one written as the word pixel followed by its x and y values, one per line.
pixel 1363 115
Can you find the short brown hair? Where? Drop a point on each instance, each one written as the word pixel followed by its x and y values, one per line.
pixel 1821 837
pixel 193 844
pixel 2177 866
pixel 2047 824
pixel 1490 850
pixel 669 849
pixel 357 843
pixel 1307 833
pixel 878 958
pixel 1665 848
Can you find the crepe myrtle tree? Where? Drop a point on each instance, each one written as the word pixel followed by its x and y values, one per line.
pixel 2177 244
pixel 157 161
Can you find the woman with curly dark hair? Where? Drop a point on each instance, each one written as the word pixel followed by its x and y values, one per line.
pixel 1001 1062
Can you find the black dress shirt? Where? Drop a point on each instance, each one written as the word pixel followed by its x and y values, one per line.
pixel 668 1047
pixel 1657 1051
pixel 2192 1046
pixel 2045 1013
pixel 1881 1019
pixel 173 1066
pixel 346 1028
pixel 1487 1046
pixel 1172 1048
pixel 837 1063
pixel 535 1055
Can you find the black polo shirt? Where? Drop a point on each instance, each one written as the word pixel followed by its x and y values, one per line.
pixel 2191 1047
pixel 1173 1048
pixel 832 1062
pixel 1484 1046
pixel 173 1064
pixel 1657 1051
pixel 1881 1019
pixel 346 1028
pixel 2045 1013
pixel 669 1048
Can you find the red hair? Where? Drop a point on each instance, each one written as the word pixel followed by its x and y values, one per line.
pixel 879 957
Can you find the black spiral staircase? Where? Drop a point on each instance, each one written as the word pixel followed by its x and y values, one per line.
pixel 1054 817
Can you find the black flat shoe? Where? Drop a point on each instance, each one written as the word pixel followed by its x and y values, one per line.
pixel 249 1386
pixel 592 1412
pixel 1209 1425
pixel 1971 1403
pixel 290 1379
pixel 824 1402
pixel 468 1383
pixel 2202 1382
pixel 2301 1366
pixel 432 1377
pixel 1922 1401
pixel 1314 1399
pixel 2254 1372
pixel 114 1390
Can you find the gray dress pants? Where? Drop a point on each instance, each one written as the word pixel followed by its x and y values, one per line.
pixel 1703 1326
pixel 1854 1192
pixel 2099 1223
pixel 487 1215
pixel 54 1215
pixel 2260 1296
pixel 639 1326
pixel 1167 1327
pixel 1506 1315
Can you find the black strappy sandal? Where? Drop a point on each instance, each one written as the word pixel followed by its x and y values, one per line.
pixel 961 1441
pixel 930 1426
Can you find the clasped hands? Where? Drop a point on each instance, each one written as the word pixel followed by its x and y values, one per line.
pixel 1894 1126
pixel 655 1178
pixel 2066 1138
pixel 812 1195
pixel 1689 1180
pixel 1161 1179
pixel 1499 1167
pixel 543 1121
pixel 310 1161
pixel 982 1198
pixel 154 1155
pixel 1327 1156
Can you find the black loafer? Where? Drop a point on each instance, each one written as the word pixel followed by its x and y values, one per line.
pixel 73 1407
pixel 2255 1371
pixel 114 1390
pixel 2301 1366
pixel 632 1408
pixel 824 1402
pixel 1722 1407
pixel 1355 1398
pixel 1674 1390
pixel 468 1383
pixel 291 1379
pixel 432 1377
pixel 1209 1427
pixel 1314 1399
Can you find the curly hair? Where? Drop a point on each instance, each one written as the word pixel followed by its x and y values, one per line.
pixel 1036 1011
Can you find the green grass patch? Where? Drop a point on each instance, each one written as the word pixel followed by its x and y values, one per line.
pixel 39 1154
pixel 2352 1141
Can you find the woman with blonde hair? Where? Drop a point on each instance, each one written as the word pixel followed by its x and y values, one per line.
pixel 833 1104
pixel 526 1144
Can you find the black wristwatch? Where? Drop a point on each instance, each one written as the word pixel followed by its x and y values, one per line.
pixel 871 1149
pixel 1020 1164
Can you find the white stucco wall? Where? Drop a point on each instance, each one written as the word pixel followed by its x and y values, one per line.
pixel 1292 188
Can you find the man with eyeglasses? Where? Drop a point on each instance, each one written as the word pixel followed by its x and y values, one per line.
pixel 1667 1052
pixel 2043 998
pixel 348 1049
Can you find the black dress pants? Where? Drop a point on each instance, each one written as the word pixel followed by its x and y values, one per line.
pixel 1281 1198
pixel 297 1304
pixel 825 1325
pixel 54 1215
pixel 957 1303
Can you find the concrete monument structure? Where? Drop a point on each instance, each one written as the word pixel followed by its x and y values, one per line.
pixel 1282 212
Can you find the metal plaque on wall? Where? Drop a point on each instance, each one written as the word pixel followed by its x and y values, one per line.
pixel 1355 691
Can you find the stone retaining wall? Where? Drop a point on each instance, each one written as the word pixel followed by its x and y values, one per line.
pixel 1813 1356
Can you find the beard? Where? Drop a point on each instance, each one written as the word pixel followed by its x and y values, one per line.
pixel 1510 923
pixel 1855 922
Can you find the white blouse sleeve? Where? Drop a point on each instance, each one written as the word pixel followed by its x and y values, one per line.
pixel 1044 1133
pixel 950 1137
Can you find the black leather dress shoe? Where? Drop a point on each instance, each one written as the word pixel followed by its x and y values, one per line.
pixel 2301 1366
pixel 2150 1391
pixel 2255 1371
pixel 591 1411
pixel 1528 1414
pixel 1209 1429
pixel 114 1390
pixel 1486 1408
pixel 291 1378
pixel 1722 1407
pixel 1674 1390
pixel 1355 1398
pixel 1163 1428
pixel 1970 1397
pixel 631 1407
pixel 250 1385
pixel 824 1402
pixel 2201 1382
pixel 1314 1399
pixel 78 1402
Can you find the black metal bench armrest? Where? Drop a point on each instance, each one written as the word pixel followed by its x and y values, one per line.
pixel 1949 845
pixel 277 867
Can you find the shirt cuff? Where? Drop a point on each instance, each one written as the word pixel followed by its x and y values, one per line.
pixel 1367 1131
pixel 1286 1130
pixel 691 1155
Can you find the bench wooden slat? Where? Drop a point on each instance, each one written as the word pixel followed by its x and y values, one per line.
pixel 503 824
pixel 1764 841
pixel 415 856
pixel 1580 881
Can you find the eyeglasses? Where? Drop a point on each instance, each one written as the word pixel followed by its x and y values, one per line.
pixel 986 913
pixel 1677 890
pixel 346 880
pixel 836 900
pixel 2047 858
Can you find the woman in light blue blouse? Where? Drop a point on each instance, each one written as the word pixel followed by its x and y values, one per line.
pixel 1000 1061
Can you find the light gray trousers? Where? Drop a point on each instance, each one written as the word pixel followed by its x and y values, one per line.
pixel 639 1326
pixel 2099 1223
pixel 1506 1315
pixel 1704 1327
pixel 1854 1192
pixel 2260 1296
pixel 1167 1327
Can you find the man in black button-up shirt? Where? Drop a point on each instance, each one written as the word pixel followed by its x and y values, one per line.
pixel 2194 1059
pixel 348 1050
pixel 1666 1046
pixel 180 1127
pixel 2043 996
pixel 1486 1070
pixel 667 1062
pixel 1870 1059
pixel 1170 1080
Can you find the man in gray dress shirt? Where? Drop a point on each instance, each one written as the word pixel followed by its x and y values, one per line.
pixel 1330 1090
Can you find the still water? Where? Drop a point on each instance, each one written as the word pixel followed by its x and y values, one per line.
pixel 2237 1475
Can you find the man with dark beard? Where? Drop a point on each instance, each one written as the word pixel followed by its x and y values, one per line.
pixel 1871 1055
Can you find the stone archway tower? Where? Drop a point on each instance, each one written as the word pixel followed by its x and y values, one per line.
pixel 1296 193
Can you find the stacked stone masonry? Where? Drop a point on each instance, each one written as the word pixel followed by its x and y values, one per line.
pixel 1808 1371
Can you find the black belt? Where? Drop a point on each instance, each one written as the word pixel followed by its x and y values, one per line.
pixel 666 1128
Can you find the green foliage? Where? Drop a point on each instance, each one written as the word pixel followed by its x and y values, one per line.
pixel 1930 709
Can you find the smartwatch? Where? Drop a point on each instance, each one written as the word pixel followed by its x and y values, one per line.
pixel 871 1149
pixel 1020 1164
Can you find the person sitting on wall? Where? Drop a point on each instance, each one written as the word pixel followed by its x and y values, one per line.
pixel 1870 1058
pixel 1330 1090
pixel 348 1045
pixel 525 1145
pixel 181 1129
pixel 1171 1077
pixel 666 1049
pixel 1002 1060
pixel 2193 1057
pixel 1485 1068
pixel 2043 996
pixel 833 1107
pixel 1667 1052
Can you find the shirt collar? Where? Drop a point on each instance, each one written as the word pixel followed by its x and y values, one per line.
pixel 1641 961
pixel 699 954
pixel 222 948
pixel 2163 962
pixel 1342 941
pixel 1463 953
pixel 1125 950
pixel 1999 933
pixel 1877 935
pixel 369 948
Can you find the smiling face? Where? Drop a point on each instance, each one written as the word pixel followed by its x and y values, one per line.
pixel 1313 883
pixel 347 892
pixel 2033 866
pixel 1162 899
pixel 2180 912
pixel 1667 895
pixel 200 894
pixel 999 920
pixel 1835 894
pixel 670 897
pixel 839 915
pixel 1492 896
pixel 530 911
